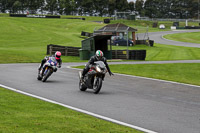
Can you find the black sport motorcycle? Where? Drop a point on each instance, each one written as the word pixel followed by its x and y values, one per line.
pixel 93 78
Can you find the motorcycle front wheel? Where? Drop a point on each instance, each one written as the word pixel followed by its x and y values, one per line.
pixel 46 76
pixel 97 85
pixel 39 76
pixel 81 86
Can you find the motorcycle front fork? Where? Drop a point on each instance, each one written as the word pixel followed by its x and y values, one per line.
pixel 95 81
pixel 41 72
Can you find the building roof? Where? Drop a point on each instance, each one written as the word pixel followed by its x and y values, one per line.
pixel 116 28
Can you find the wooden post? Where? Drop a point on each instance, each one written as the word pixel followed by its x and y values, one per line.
pixel 133 37
pixel 50 50
pixel 66 51
pixel 115 54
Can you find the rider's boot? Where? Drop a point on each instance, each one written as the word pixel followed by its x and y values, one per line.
pixel 42 63
pixel 103 77
pixel 42 72
pixel 39 69
pixel 82 78
pixel 83 75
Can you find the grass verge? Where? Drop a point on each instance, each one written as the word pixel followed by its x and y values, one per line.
pixel 192 37
pixel 181 72
pixel 20 114
pixel 161 52
pixel 24 40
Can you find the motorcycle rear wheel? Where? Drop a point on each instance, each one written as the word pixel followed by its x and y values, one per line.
pixel 97 85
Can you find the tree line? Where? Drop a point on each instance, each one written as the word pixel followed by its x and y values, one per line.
pixel 147 8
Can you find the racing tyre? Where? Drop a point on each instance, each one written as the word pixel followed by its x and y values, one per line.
pixel 46 76
pixel 97 85
pixel 81 86
pixel 39 77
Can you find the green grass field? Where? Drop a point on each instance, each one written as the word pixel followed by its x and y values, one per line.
pixel 192 37
pixel 24 114
pixel 182 72
pixel 24 40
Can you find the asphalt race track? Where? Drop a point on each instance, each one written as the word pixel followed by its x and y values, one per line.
pixel 155 105
pixel 158 38
pixel 160 106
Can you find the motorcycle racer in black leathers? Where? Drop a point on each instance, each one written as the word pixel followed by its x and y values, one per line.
pixel 97 57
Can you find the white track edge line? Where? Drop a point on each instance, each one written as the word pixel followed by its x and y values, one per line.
pixel 148 78
pixel 79 110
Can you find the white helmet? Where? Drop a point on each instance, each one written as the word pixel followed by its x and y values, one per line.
pixel 99 54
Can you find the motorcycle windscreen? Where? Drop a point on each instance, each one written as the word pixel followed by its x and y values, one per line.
pixel 100 63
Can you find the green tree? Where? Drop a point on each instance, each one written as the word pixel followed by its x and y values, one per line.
pixel 122 5
pixel 16 6
pixel 78 7
pixel 32 6
pixel 139 4
pixel 150 9
pixel 87 7
pixel 3 5
pixel 51 5
pixel 66 6
pixel 41 5
pixel 100 6
pixel 181 9
pixel 9 5
pixel 131 6
pixel 193 7
pixel 111 7
pixel 171 8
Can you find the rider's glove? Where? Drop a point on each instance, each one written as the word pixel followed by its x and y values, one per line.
pixel 111 73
